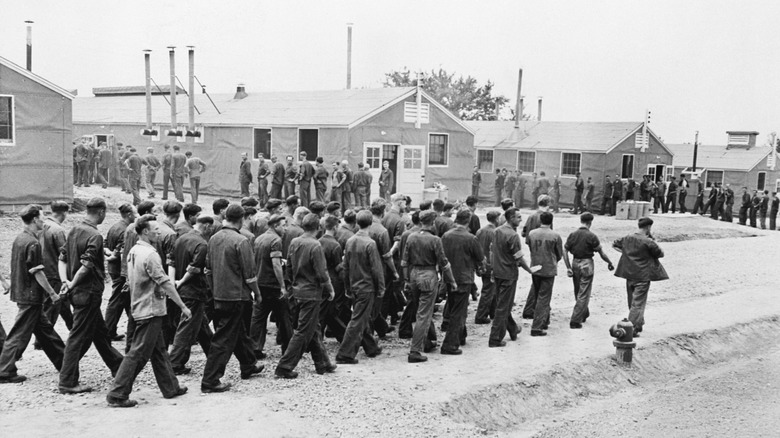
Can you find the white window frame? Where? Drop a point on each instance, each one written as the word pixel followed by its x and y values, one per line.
pixel 13 121
pixel 517 161
pixel 298 143
pixel 156 137
pixel 707 177
pixel 560 172
pixel 633 165
pixel 428 150
pixel 492 161
pixel 758 177
pixel 271 148
pixel 202 138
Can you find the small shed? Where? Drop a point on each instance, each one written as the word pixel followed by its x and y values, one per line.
pixel 35 138
pixel 424 142
pixel 596 149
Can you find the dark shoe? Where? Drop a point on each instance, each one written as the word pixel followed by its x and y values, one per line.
pixel 376 353
pixel 285 374
pixel 78 389
pixel 346 361
pixel 13 379
pixel 416 357
pixel 182 371
pixel 575 325
pixel 513 335
pixel 256 369
pixel 455 352
pixel 181 391
pixel 117 338
pixel 220 387
pixel 119 403
pixel 431 348
pixel 328 369
pixel 474 296
pixel 260 355
pixel 482 321
pixel 496 345
pixel 538 333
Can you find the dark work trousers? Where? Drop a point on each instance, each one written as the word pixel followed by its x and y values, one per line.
pixel 637 299
pixel 459 309
pixel 102 176
pixel 230 338
pixel 762 219
pixel 510 194
pixel 583 284
pixel 717 210
pixel 346 200
pixel 357 333
pixel 425 286
pixel 30 320
pixel 752 215
pixel 276 191
pixel 289 189
pixel 698 206
pixel 578 207
pixel 681 200
pixel 728 213
pixel 519 198
pixel 166 180
pixel 530 303
pixel 88 328
pixel 118 302
pixel 773 220
pixel 171 322
pixel 613 210
pixel 589 204
pixel 671 203
pixel 379 322
pixel 743 215
pixel 391 301
pixel 362 196
pixel 244 183
pixel 710 203
pixel 2 337
pixel 148 344
pixel 304 191
pixel 544 287
pixel 503 322
pixel 475 191
pixel 271 302
pixel 605 206
pixel 498 190
pixel 486 308
pixel 320 193
pixel 190 330
pixel 336 194
pixel 151 175
pixel 262 191
pixel 306 337
pixel 330 320
pixel 83 176
pixel 409 316
pixel 135 189
pixel 60 308
pixel 178 187
pixel 195 189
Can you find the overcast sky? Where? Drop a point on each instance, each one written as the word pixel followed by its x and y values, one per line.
pixel 710 66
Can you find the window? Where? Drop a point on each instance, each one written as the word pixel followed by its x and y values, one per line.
pixel 308 141
pixel 761 181
pixel 7 137
pixel 373 157
pixel 713 177
pixel 485 160
pixel 262 143
pixel 438 149
pixel 412 158
pixel 410 112
pixel 570 164
pixel 526 161
pixel 627 170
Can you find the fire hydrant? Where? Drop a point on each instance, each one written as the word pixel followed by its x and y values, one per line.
pixel 624 344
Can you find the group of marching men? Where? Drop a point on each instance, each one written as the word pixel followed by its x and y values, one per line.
pixel 313 271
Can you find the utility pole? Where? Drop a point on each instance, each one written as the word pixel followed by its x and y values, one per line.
pixel 695 151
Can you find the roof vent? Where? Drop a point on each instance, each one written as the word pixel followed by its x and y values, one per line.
pixel 240 92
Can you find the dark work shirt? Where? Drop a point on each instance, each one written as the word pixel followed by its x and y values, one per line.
pixel 464 253
pixel 342 235
pixel 293 230
pixel 131 238
pixel 230 265
pixel 582 243
pixel 278 174
pixel 167 159
pixel 85 248
pixel 290 172
pixel 104 158
pixel 165 242
pixel 347 186
pixel 505 252
pixel 308 268
pixel 380 235
pixel 178 162
pixel 363 265
pixel 182 228
pixel 268 246
pixel 52 238
pixel 306 172
pixel 424 249
pixel 321 178
pixel 533 222
pixel 361 178
pixel 499 184
pixel 257 226
pixel 114 242
pixel 189 255
pixel 474 224
pixel 395 226
pixel 546 248
pixel 26 255
pixel 442 224
pixel 245 171
pixel 485 237
pixel 152 162
pixel 639 258
pixel 333 255
pixel 405 238
pixel 262 170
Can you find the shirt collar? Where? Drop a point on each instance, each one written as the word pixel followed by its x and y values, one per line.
pixel 142 243
pixel 90 223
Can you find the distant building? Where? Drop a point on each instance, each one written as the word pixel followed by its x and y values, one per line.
pixel 36 164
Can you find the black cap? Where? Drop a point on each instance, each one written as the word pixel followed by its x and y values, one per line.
pixel 273 203
pixel 96 203
pixel 274 219
pixel 249 202
pixel 29 213
pixel 333 206
pixel 645 222
pixel 59 206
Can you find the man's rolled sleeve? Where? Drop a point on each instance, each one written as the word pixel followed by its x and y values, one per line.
pixel 90 256
pixel 153 268
pixel 247 263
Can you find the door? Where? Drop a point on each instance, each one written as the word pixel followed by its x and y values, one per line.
pixel 372 159
pixel 657 171
pixel 411 176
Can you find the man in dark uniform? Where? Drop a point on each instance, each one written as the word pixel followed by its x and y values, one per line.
pixel 152 166
pixel 590 188
pixel 579 188
pixel 82 271
pixel 607 197
pixel 320 179
pixel 28 286
pixel 755 203
pixel 476 180
pixel 533 222
pixel 104 163
pixel 393 301
pixel 277 179
pixel 466 257
pixel 262 180
pixel 763 209
pixel 617 193
pixel 682 193
pixel 330 319
pixel 639 265
pixel 347 200
pixel 234 280
pixel 498 186
pixel 82 159
pixel 382 238
pixel 519 198
pixel 124 171
pixel 114 244
pixel 509 184
pixel 698 206
pixel 52 238
pixel 410 311
pixel 364 274
pixel 362 182
pixel 486 307
pixel 337 180
pixel 164 245
pixel 290 177
pixel 421 258
pixel 244 174
pixel 178 171
pixel 743 209
pixel 671 196
pixel 310 281
pixel 507 255
pixel 166 168
pixel 720 200
pixel 305 174
pixel 556 193
pixel 728 209
pixel 644 189
pixel 546 248
pixel 134 164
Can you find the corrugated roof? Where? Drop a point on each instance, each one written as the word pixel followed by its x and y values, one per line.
pixel 34 77
pixel 533 135
pixel 133 90
pixel 718 157
pixel 299 108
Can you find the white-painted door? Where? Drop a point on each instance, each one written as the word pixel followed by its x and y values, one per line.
pixel 411 177
pixel 372 159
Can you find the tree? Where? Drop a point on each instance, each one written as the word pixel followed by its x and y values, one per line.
pixel 464 97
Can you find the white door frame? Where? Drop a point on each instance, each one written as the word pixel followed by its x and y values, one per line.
pixel 411 183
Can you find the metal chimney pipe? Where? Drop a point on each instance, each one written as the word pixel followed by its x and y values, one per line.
pixel 191 126
pixel 539 112
pixel 148 71
pixel 519 104
pixel 498 108
pixel 29 44
pixel 349 56
pixel 172 56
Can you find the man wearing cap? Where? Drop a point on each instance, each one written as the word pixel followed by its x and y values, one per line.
pixel 231 267
pixel 82 271
pixel 305 174
pixel 114 244
pixel 148 288
pixel 290 177
pixel 244 174
pixel 321 179
pixel 52 238
pixel 617 194
pixel 310 282
pixel 178 172
pixel 582 244
pixel 639 264
pixel 546 248
pixel 152 166
pixel 277 179
pixel 28 286
pixel 194 168
pixel 386 181
pixel 186 266
pixel 134 164
pixel 262 180
pixel 166 168
pixel 364 274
